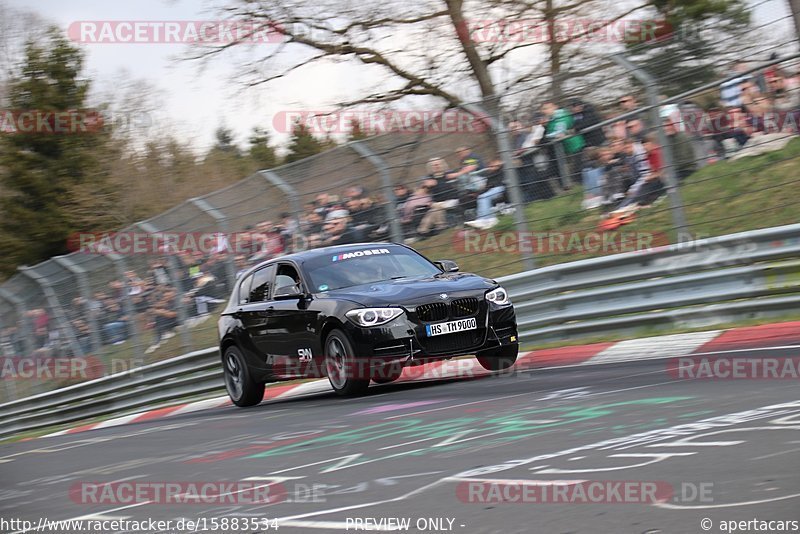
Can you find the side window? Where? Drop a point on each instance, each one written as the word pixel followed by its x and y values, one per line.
pixel 261 287
pixel 244 290
pixel 286 277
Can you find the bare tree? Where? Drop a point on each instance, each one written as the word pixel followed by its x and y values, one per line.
pixel 452 50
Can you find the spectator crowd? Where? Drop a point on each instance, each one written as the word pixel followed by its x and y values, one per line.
pixel 620 168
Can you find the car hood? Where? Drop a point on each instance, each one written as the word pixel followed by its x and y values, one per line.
pixel 412 291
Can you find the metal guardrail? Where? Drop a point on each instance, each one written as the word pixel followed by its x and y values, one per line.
pixel 188 375
pixel 700 283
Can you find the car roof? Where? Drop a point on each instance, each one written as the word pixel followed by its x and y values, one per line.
pixel 326 251
pixel 305 255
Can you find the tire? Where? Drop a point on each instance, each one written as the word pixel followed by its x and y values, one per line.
pixel 499 359
pixel 241 388
pixel 340 366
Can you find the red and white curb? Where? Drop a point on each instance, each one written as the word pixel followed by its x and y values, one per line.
pixel 672 346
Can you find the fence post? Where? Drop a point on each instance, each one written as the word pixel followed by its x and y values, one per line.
pixel 55 305
pixel 22 331
pixel 511 178
pixel 173 270
pixel 222 220
pixel 83 284
pixel 289 191
pixel 387 186
pixel 22 320
pixel 652 91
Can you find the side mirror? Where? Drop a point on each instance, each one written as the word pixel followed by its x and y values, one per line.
pixel 288 292
pixel 448 266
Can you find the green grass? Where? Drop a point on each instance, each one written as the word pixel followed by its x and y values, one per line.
pixel 726 197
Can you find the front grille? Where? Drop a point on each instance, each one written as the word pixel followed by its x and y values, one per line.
pixel 440 311
pixel 466 307
pixel 453 342
pixel 436 311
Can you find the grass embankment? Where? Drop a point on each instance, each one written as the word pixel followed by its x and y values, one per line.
pixel 722 198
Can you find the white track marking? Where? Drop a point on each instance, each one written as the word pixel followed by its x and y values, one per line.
pixel 307 388
pixel 336 525
pixel 673 346
pixel 273 479
pixel 216 402
pixel 516 481
pixel 459 405
pixel 728 505
pixel 119 420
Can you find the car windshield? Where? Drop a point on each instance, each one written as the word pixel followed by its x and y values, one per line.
pixel 365 266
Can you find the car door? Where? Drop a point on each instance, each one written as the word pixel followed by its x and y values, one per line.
pixel 292 324
pixel 253 312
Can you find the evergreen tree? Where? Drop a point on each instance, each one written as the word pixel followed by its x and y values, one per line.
pixel 224 137
pixel 302 144
pixel 687 58
pixel 260 152
pixel 54 184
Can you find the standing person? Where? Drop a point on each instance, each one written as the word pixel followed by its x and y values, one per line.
pixel 682 151
pixel 443 187
pixel 585 116
pixel 538 164
pixel 559 129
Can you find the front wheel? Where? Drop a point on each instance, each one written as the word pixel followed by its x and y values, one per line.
pixel 499 359
pixel 343 372
pixel 242 390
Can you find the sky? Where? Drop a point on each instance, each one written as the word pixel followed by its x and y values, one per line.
pixel 193 100
pixel 196 99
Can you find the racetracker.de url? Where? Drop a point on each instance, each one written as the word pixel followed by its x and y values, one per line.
pixel 202 524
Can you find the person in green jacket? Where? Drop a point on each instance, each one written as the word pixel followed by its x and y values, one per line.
pixel 559 126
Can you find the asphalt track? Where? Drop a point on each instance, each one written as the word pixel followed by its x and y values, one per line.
pixel 434 453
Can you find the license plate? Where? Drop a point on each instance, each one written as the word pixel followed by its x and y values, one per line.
pixel 451 327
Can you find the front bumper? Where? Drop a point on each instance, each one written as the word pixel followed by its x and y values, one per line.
pixel 404 339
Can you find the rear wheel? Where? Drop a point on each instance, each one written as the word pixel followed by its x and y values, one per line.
pixel 242 390
pixel 343 372
pixel 499 359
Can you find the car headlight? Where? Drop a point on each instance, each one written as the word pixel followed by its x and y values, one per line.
pixel 498 296
pixel 373 316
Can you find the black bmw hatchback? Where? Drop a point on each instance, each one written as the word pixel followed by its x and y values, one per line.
pixel 356 313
